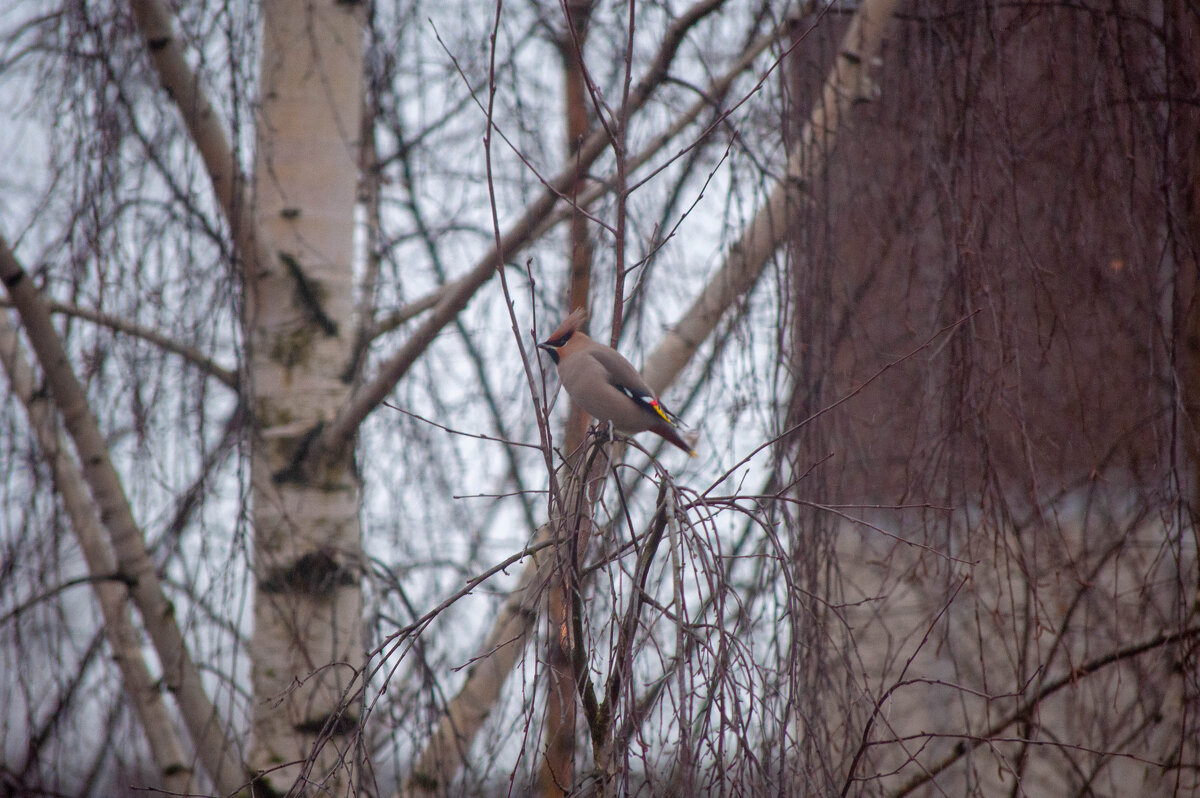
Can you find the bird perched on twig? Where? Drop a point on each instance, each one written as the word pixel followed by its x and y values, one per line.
pixel 606 385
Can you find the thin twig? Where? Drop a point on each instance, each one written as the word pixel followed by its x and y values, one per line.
pixel 226 376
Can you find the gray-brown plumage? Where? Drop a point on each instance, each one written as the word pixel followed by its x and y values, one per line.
pixel 606 385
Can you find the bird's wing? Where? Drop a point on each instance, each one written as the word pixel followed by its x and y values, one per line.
pixel 620 371
pixel 626 379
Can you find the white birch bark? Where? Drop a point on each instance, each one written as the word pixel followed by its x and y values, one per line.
pixel 307 647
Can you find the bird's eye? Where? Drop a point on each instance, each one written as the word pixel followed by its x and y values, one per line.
pixel 560 340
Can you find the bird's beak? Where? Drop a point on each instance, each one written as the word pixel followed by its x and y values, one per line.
pixel 547 347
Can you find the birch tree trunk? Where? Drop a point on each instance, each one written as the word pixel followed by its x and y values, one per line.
pixel 308 642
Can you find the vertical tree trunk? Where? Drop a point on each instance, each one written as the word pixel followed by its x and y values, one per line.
pixel 308 643
pixel 557 772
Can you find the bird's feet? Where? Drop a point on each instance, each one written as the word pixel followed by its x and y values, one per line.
pixel 603 431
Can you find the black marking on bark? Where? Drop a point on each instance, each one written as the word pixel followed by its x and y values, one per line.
pixel 357 356
pixel 157 43
pixel 307 294
pixel 317 573
pixel 175 769
pixel 340 724
pixel 14 278
pixel 260 788
pixel 424 781
pixel 295 472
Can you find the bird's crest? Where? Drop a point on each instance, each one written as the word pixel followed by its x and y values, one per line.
pixel 570 324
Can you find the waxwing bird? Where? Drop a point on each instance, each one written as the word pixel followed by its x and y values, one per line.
pixel 606 385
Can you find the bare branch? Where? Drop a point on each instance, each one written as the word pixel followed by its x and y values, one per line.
pixel 112 591
pixel 447 749
pixel 1045 691
pixel 339 432
pixel 133 562
pixel 165 48
pixel 226 376
pixel 848 83
pixel 413 309
pixel 718 88
pixel 439 761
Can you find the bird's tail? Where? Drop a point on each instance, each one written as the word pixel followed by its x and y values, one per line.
pixel 687 441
